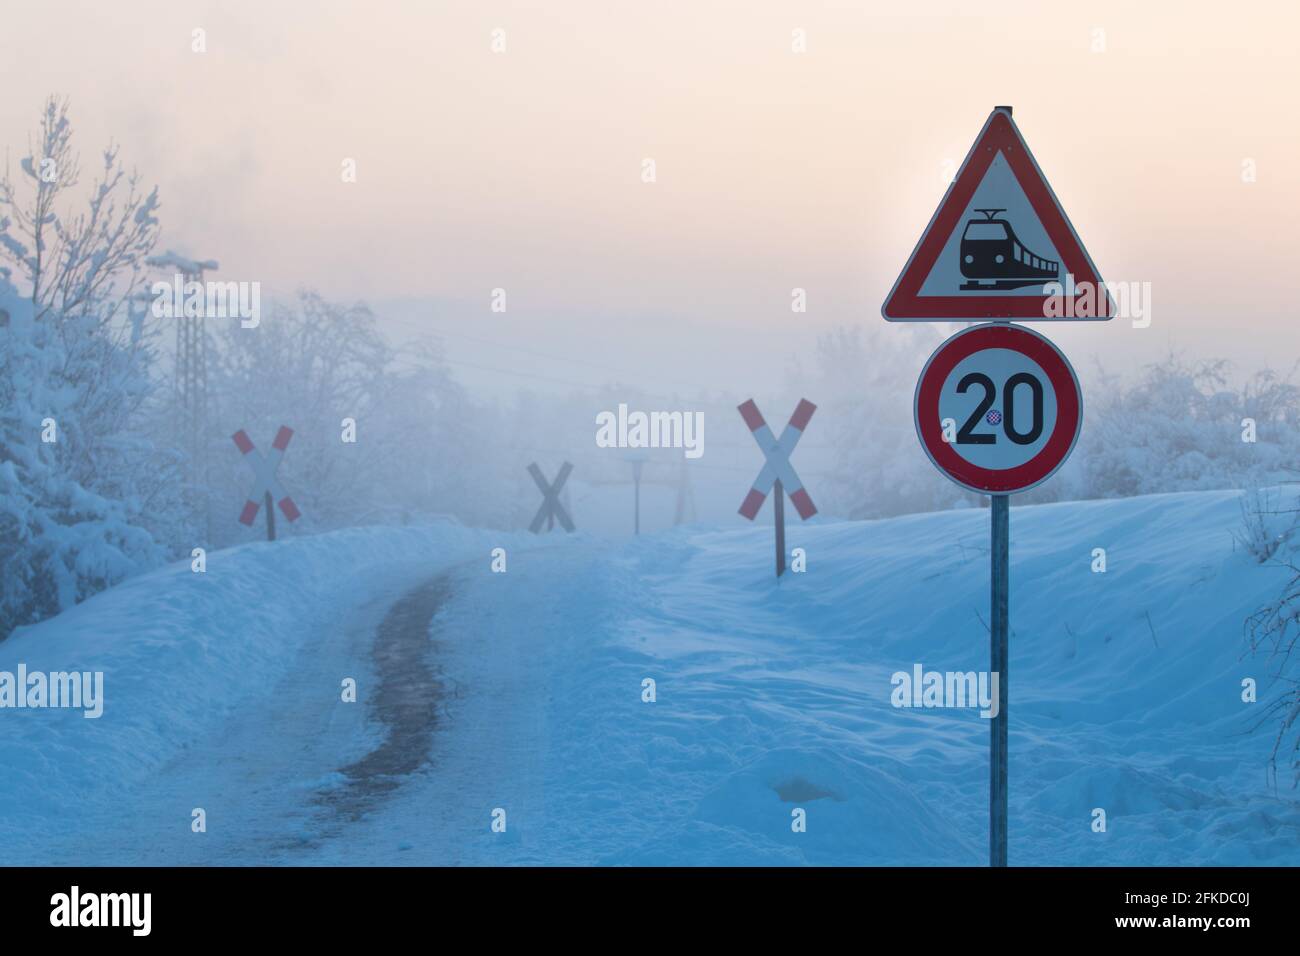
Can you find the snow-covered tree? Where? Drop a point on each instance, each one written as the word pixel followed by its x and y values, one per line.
pixel 80 479
pixel 1178 425
pixel 75 265
pixel 864 387
pixel 1181 426
pixel 61 538
pixel 314 365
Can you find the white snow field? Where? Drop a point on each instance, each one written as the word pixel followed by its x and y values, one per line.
pixel 222 692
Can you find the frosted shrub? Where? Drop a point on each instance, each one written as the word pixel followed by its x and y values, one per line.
pixel 81 488
pixel 61 539
pixel 1179 427
pixel 1267 523
pixel 1274 630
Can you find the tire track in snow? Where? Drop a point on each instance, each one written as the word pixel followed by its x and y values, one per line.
pixel 502 647
pixel 405 701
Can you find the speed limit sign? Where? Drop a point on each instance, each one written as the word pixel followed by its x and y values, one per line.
pixel 998 408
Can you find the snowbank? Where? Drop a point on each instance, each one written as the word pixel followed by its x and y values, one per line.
pixel 180 651
pixel 1125 695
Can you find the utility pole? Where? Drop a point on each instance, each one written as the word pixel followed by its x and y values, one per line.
pixel 685 513
pixel 190 383
pixel 637 462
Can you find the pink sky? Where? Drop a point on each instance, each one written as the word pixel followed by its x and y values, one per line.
pixel 521 170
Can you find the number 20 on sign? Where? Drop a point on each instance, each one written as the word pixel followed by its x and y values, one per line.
pixel 998 408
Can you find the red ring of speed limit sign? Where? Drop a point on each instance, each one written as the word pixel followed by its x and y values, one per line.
pixel 1065 400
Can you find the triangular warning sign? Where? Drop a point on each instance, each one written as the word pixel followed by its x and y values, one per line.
pixel 1000 246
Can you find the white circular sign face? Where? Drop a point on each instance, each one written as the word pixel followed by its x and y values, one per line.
pixel 998 408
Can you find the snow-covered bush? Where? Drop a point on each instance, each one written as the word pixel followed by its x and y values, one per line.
pixel 1274 631
pixel 1268 523
pixel 1177 426
pixel 864 386
pixel 81 483
pixel 62 538
pixel 1181 427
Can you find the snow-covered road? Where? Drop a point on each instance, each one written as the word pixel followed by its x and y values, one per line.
pixel 1125 696
pixel 276 778
pixel 522 697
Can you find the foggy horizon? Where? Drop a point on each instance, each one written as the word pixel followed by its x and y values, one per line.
pixel 774 171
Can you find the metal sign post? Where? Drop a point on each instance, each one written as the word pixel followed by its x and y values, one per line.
pixel 778 514
pixel 638 463
pixel 777 473
pixel 999 651
pixel 998 407
pixel 998 410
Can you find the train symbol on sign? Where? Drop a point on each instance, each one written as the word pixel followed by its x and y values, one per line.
pixel 993 258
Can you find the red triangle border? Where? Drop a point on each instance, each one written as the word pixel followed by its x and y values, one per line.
pixel 1000 134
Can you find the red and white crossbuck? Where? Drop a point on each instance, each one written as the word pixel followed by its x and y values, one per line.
pixel 264 468
pixel 777 452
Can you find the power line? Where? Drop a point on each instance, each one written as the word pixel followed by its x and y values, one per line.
pixel 606 386
pixel 534 375
pixel 705 403
pixel 537 352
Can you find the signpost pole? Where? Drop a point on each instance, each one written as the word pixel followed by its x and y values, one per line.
pixel 778 509
pixel 973 262
pixel 998 653
pixel 270 519
pixel 636 506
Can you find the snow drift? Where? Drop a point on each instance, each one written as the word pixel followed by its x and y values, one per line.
pixel 770 698
pixel 182 651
